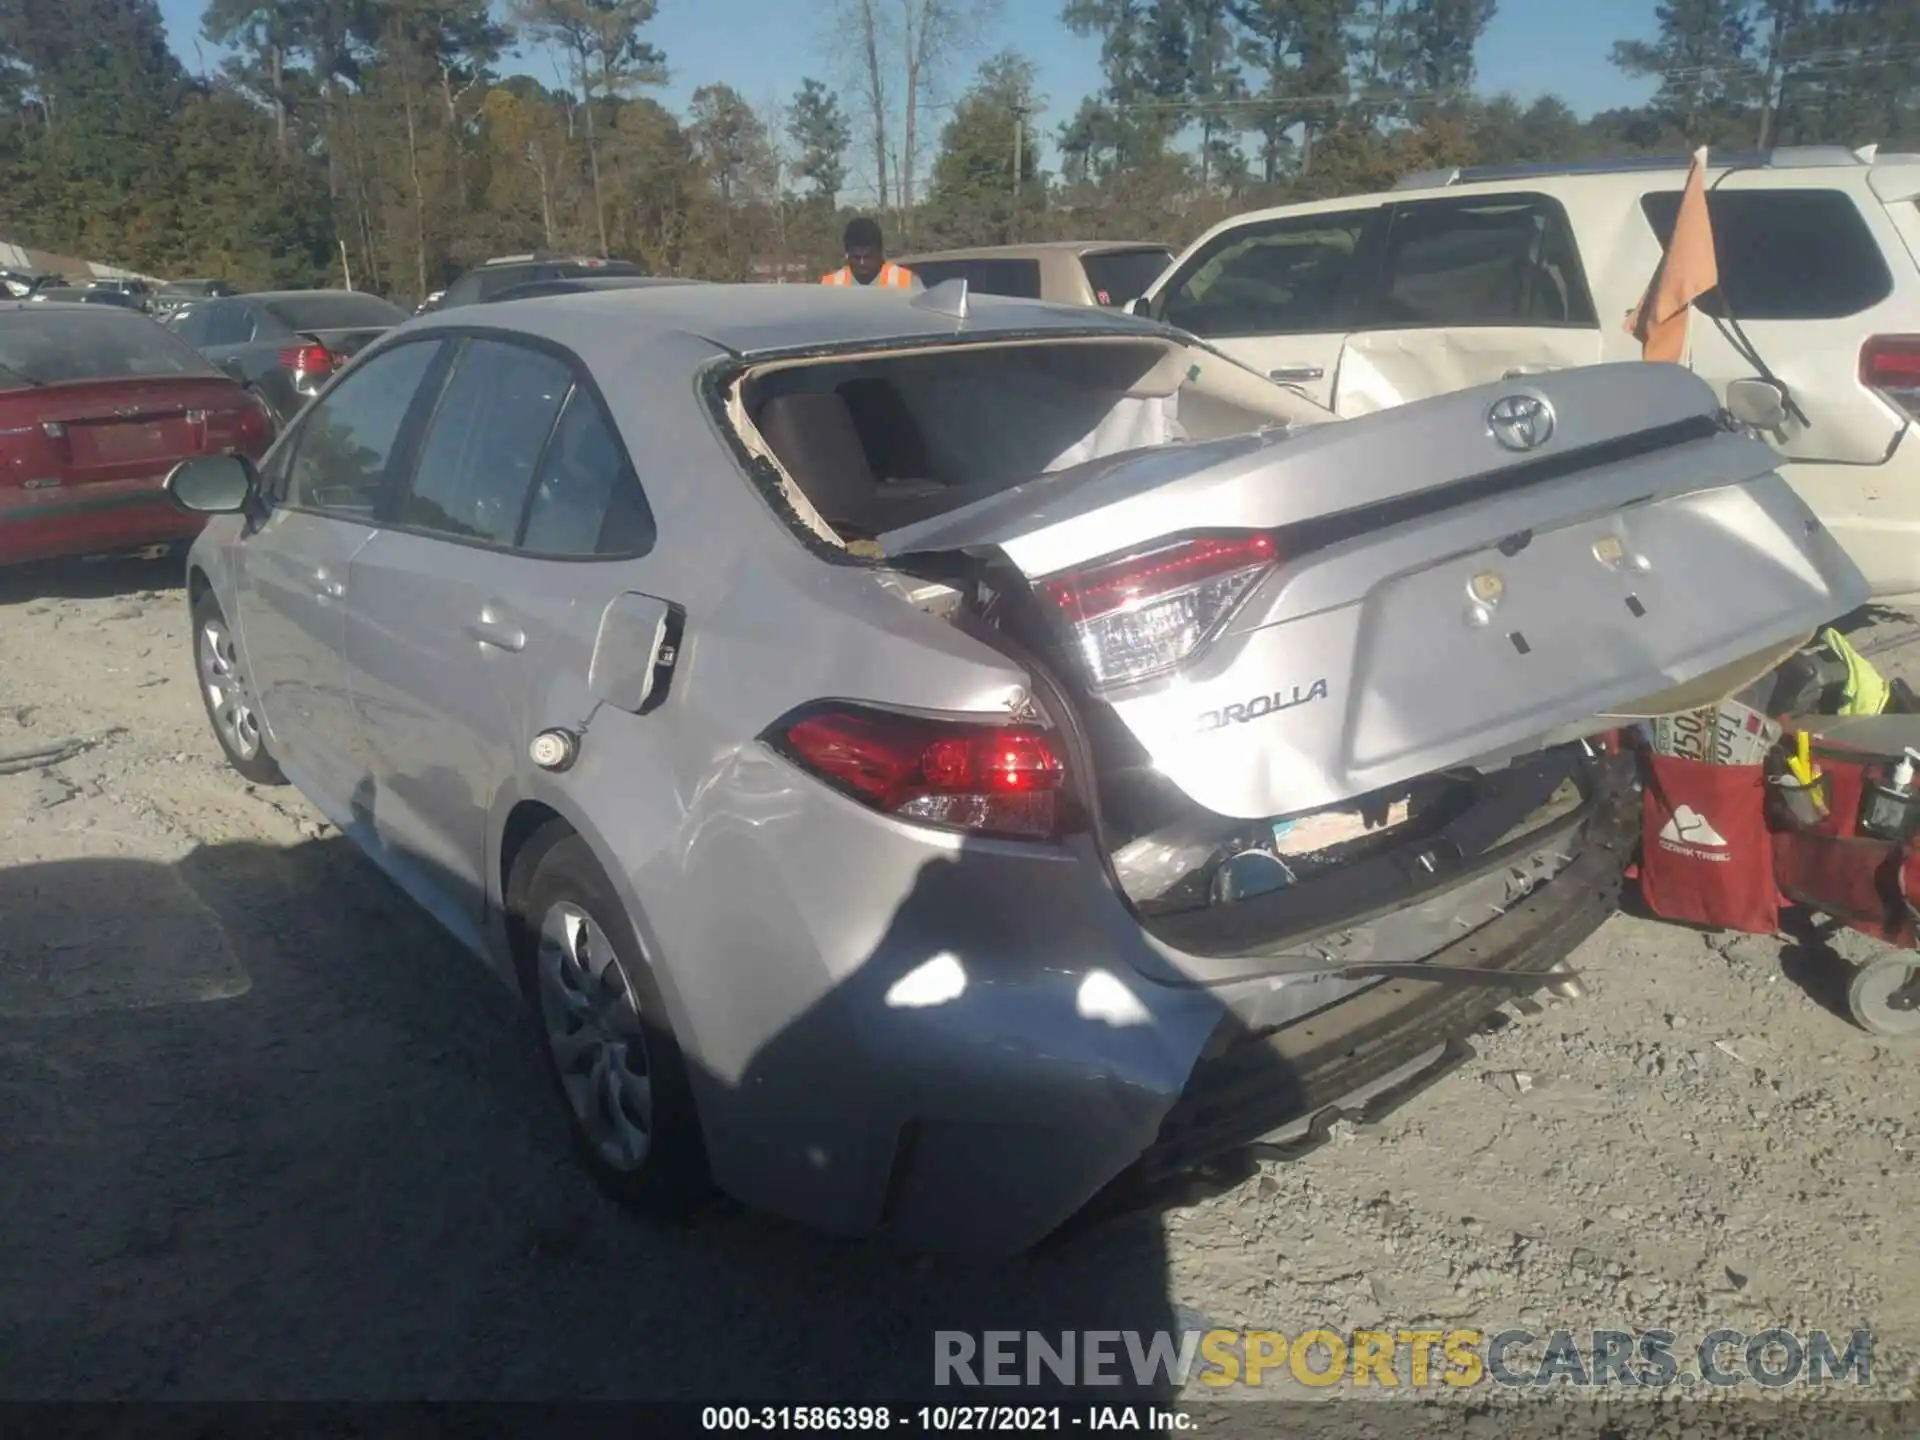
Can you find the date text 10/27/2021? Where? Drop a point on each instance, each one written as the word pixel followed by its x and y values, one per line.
pixel 925 1419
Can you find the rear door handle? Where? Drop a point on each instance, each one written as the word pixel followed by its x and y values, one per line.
pixel 493 628
pixel 1519 370
pixel 1295 374
pixel 325 587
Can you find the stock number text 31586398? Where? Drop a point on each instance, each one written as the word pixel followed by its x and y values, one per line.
pixel 911 1420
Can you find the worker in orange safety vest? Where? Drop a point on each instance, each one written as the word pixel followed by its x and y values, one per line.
pixel 867 262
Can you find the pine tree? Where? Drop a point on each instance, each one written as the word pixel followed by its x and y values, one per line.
pixel 1302 51
pixel 1440 37
pixel 975 199
pixel 1703 56
pixel 821 132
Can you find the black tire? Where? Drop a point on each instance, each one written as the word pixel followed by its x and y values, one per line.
pixel 555 877
pixel 244 742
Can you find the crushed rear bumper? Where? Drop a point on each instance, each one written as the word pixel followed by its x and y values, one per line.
pixel 1277 1094
pixel 62 525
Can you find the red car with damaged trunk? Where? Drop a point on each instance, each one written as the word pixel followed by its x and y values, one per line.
pixel 96 406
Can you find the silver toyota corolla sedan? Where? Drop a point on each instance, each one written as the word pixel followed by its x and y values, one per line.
pixel 936 765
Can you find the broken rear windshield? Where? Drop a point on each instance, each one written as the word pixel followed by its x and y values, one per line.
pixel 57 344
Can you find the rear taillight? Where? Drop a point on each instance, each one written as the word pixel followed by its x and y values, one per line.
pixel 308 362
pixel 1142 616
pixel 987 779
pixel 1890 364
pixel 254 422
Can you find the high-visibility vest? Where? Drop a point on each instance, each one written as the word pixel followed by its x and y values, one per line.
pixel 891 277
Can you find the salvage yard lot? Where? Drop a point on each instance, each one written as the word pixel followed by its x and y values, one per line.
pixel 268 1133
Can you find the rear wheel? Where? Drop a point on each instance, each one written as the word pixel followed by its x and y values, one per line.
pixel 227 693
pixel 1884 997
pixel 603 1027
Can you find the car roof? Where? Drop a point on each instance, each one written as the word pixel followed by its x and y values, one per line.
pixel 570 284
pixel 1796 166
pixel 753 320
pixel 1035 249
pixel 552 257
pixel 9 305
pixel 299 295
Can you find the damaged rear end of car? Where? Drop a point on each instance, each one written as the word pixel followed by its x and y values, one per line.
pixel 1328 704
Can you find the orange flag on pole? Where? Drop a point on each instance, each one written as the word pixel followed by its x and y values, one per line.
pixel 1687 271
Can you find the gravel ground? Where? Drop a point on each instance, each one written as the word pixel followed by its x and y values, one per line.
pixel 268 1134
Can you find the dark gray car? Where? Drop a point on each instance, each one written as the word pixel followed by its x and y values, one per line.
pixel 486 282
pixel 178 294
pixel 68 295
pixel 284 344
pixel 590 285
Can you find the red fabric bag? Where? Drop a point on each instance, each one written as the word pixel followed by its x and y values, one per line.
pixel 1706 856
pixel 1858 880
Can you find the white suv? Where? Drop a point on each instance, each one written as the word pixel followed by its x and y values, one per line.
pixel 1465 277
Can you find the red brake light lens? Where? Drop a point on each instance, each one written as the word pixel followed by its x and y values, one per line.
pixel 1151 612
pixel 1890 364
pixel 307 360
pixel 987 779
pixel 256 421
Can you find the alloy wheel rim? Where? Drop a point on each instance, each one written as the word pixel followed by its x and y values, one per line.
pixel 229 699
pixel 594 1034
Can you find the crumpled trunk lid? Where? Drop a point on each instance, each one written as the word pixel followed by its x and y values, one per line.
pixel 1436 596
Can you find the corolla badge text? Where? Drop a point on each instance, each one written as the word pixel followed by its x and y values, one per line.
pixel 1261 706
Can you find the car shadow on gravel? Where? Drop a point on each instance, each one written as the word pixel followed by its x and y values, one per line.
pixel 100 579
pixel 1809 960
pixel 341 1175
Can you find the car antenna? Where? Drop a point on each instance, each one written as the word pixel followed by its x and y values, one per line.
pixel 948 298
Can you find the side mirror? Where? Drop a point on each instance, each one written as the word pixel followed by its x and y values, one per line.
pixel 1138 307
pixel 213 484
pixel 634 653
pixel 1759 403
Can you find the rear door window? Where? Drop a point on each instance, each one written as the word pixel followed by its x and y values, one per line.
pixel 484 443
pixel 486 283
pixel 1504 261
pixel 228 323
pixel 349 438
pixel 492 285
pixel 1119 276
pixel 1784 254
pixel 191 324
pixel 463 291
pixel 1018 278
pixel 586 499
pixel 1296 276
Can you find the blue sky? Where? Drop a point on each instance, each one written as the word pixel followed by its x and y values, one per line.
pixel 763 48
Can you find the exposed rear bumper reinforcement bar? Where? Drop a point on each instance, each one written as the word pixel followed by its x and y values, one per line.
pixel 1278 1094
pixel 1368 1107
pixel 1464 975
